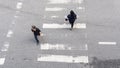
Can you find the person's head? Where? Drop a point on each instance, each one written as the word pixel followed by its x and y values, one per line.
pixel 33 26
pixel 71 12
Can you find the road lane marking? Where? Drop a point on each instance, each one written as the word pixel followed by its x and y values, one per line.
pixel 2 61
pixel 78 1
pixel 86 47
pixel 64 1
pixel 54 9
pixel 15 16
pixel 9 34
pixel 19 5
pixel 5 47
pixel 80 8
pixel 58 1
pixel 53 25
pixel 107 43
pixel 54 16
pixel 48 46
pixel 62 58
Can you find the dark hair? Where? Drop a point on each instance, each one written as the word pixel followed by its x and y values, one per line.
pixel 72 12
pixel 33 26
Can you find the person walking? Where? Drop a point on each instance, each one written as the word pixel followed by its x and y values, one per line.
pixel 71 17
pixel 36 32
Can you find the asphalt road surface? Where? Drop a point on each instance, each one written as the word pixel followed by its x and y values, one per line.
pixel 93 43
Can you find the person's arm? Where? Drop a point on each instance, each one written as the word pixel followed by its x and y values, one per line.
pixel 32 30
pixel 75 16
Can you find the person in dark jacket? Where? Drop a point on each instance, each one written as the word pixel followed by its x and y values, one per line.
pixel 36 32
pixel 71 17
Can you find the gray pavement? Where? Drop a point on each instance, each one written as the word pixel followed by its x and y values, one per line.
pixel 19 49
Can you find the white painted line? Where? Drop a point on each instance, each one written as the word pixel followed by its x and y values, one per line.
pixel 78 1
pixel 107 43
pixel 16 16
pixel 54 16
pixel 2 60
pixel 63 58
pixel 47 46
pixel 58 1
pixel 10 32
pixel 86 47
pixel 52 26
pixel 54 9
pixel 80 8
pixel 5 47
pixel 19 5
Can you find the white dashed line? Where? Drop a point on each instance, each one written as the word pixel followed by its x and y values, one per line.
pixel 52 26
pixel 10 32
pixel 107 43
pixel 19 5
pixel 54 9
pixel 63 58
pixel 2 60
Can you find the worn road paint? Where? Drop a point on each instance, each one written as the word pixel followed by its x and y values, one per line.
pixel 10 32
pixel 63 58
pixel 58 1
pixel 52 26
pixel 5 47
pixel 54 9
pixel 2 61
pixel 19 5
pixel 47 46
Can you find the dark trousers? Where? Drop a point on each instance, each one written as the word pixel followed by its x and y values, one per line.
pixel 71 23
pixel 36 38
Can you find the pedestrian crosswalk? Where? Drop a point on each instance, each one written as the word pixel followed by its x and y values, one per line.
pixel 62 46
pixel 58 44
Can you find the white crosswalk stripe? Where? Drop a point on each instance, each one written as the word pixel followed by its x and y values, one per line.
pixel 107 43
pixel 54 9
pixel 2 61
pixel 62 58
pixel 53 25
pixel 47 46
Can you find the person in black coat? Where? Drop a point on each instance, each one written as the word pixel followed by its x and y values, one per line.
pixel 71 17
pixel 36 32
